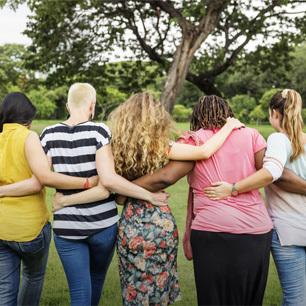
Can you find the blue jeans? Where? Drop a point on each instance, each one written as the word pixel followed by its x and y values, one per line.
pixel 33 256
pixel 290 262
pixel 85 263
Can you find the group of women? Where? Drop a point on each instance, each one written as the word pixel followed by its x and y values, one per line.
pixel 229 230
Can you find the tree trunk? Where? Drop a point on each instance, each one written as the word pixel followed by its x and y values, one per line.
pixel 192 38
pixel 177 73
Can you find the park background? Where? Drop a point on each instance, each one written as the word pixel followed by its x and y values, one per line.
pixel 178 50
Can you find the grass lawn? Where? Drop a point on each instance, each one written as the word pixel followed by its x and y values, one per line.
pixel 55 288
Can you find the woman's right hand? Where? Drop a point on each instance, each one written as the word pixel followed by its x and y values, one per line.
pixel 57 202
pixel 159 198
pixel 234 123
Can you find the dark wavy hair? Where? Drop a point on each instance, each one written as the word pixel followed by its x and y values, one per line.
pixel 209 113
pixel 16 108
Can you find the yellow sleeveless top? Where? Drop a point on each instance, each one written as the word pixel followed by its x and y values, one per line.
pixel 21 218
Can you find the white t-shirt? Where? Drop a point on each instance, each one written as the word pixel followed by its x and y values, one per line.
pixel 287 210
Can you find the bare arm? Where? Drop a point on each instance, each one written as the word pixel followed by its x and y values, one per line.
pixel 94 194
pixel 165 176
pixel 181 151
pixel 116 183
pixel 159 180
pixel 291 182
pixel 40 167
pixel 259 157
pixel 261 178
pixel 23 188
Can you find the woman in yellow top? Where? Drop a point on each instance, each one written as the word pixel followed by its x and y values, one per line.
pixel 24 228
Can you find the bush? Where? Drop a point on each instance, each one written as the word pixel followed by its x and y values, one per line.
pixel 111 98
pixel 43 99
pixel 242 105
pixel 258 115
pixel 265 100
pixel 304 114
pixel 181 113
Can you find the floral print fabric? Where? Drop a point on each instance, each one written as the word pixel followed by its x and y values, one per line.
pixel 147 248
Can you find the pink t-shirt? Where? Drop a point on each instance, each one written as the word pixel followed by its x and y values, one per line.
pixel 234 161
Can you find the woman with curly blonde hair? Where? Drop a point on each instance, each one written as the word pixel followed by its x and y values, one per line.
pixel 148 236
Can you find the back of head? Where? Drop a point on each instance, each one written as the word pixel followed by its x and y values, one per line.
pixel 289 104
pixel 210 112
pixel 16 108
pixel 141 129
pixel 81 94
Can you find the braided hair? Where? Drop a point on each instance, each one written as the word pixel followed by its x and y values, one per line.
pixel 209 113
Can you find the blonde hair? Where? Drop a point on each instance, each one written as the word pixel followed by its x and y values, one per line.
pixel 289 104
pixel 80 94
pixel 141 130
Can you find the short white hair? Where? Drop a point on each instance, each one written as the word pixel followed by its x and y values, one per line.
pixel 80 94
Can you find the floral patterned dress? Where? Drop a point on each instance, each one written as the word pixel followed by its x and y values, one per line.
pixel 147 248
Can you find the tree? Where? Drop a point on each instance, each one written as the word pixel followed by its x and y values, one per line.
pixel 195 40
pixel 12 69
pixel 181 113
pixel 44 100
pixel 265 100
pixel 242 105
pixel 258 115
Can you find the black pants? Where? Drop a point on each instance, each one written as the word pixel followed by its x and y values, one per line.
pixel 230 269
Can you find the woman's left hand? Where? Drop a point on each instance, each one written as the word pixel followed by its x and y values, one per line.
pixel 57 202
pixel 218 190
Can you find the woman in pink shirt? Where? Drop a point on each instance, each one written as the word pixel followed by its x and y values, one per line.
pixel 231 238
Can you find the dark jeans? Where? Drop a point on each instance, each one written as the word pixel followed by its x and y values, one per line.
pixel 85 263
pixel 32 256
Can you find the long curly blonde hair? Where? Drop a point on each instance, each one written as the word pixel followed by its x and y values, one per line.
pixel 289 104
pixel 141 130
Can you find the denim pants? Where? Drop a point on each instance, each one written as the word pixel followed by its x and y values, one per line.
pixel 85 263
pixel 32 256
pixel 290 262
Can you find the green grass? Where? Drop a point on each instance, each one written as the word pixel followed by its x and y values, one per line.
pixel 56 293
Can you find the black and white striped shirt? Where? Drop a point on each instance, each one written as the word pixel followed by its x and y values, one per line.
pixel 73 152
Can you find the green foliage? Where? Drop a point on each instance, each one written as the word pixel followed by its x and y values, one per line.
pixel 189 95
pixel 265 100
pixel 242 105
pixel 12 69
pixel 304 114
pixel 109 101
pixel 181 113
pixel 297 74
pixel 44 100
pixel 75 39
pixel 258 115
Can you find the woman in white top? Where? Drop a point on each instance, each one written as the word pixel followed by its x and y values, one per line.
pixel 285 149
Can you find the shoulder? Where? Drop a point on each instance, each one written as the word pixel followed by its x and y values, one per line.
pixel 32 137
pixel 278 138
pixel 190 137
pixel 51 129
pixel 249 131
pixel 279 142
pixel 99 127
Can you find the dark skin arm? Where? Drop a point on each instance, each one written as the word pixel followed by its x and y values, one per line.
pixel 291 182
pixel 165 176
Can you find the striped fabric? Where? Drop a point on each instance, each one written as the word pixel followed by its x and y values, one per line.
pixel 73 152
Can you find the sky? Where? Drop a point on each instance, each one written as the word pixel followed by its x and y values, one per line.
pixel 12 24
